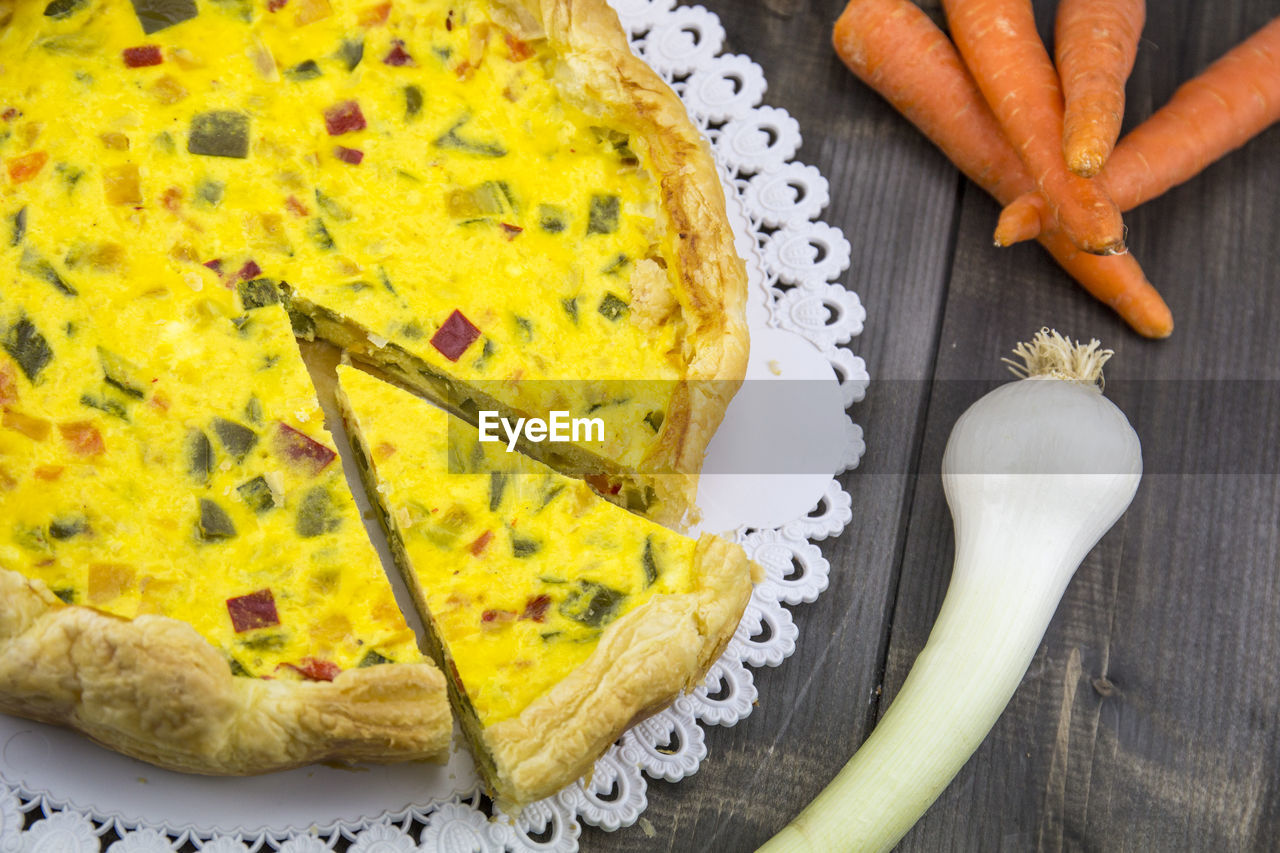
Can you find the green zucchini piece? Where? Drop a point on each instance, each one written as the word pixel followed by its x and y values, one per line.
pixel 351 51
pixel 60 10
pixel 454 141
pixel 257 494
pixel 28 347
pixel 306 70
pixel 497 486
pixel 570 307
pixel 37 267
pixel 552 219
pixel 65 528
pixel 612 307
pixel 373 658
pixel 649 562
pixel 67 594
pixel 258 293
pixel 654 419
pixel 316 514
pixel 121 374
pixel 200 458
pixel 331 207
pixel 522 546
pixel 603 216
pixel 214 524
pixel 19 227
pixel 319 234
pixel 237 668
pixel 237 439
pixel 219 133
pixel 210 192
pixel 156 15
pixel 115 408
pixel 412 102
pixel 592 604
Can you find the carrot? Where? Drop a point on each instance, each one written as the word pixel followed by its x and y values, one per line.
pixel 1095 44
pixel 1001 47
pixel 1232 101
pixel 893 47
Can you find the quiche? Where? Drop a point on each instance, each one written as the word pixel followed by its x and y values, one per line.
pixel 559 618
pixel 494 201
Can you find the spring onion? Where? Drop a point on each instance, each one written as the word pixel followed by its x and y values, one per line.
pixel 1035 472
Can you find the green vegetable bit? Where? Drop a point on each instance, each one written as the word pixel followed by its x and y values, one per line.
pixel 121 374
pixel 331 207
pixel 62 9
pixel 306 70
pixel 603 217
pixel 200 458
pixel 592 604
pixel 214 524
pixel 237 439
pixel 319 234
pixel 65 528
pixel 219 133
pixel 316 514
pixel 654 420
pixel 451 139
pixel 257 293
pixel 350 52
pixel 552 219
pixel 412 102
pixel 19 227
pixel 257 494
pixel 28 347
pixel 570 307
pixel 156 15
pixel 373 658
pixel 237 669
pixel 524 547
pixel 210 192
pixel 497 486
pixel 34 265
pixel 612 307
pixel 649 562
pixel 67 595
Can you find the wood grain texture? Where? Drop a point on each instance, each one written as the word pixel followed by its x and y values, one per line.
pixel 1150 718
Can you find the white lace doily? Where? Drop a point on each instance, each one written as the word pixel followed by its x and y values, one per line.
pixel 799 318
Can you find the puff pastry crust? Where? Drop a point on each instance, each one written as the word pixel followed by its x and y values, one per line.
pixel 152 688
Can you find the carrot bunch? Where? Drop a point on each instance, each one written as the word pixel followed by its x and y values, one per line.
pixel 1042 138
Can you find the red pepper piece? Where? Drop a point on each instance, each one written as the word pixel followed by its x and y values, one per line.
pixel 398 56
pixel 303 450
pixel 255 610
pixel 482 541
pixel 276 5
pixel 600 482
pixel 172 199
pixel 215 265
pixel 315 669
pixel 141 57
pixel 26 167
pixel 344 118
pixel 453 338
pixel 354 156
pixel 84 438
pixel 490 617
pixel 512 231
pixel 10 114
pixel 250 270
pixel 536 608
pixel 296 207
pixel 519 49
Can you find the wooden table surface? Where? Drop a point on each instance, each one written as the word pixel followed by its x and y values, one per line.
pixel 1150 717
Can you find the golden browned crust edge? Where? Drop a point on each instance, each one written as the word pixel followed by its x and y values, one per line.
pixel 641 663
pixel 153 688
pixel 598 64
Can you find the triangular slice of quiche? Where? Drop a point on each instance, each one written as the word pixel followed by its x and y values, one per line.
pixel 183 573
pixel 560 618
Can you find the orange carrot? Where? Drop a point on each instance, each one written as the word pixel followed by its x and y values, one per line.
pixel 1235 99
pixel 1001 47
pixel 893 47
pixel 1095 44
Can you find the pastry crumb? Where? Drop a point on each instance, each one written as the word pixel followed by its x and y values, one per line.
pixel 774 367
pixel 646 826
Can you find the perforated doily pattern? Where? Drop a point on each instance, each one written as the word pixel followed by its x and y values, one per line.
pixel 792 260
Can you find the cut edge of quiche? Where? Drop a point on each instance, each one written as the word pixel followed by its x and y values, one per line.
pixel 153 688
pixel 638 663
pixel 597 72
